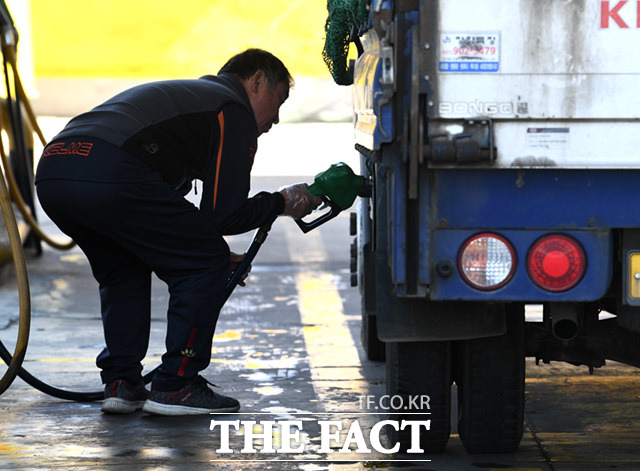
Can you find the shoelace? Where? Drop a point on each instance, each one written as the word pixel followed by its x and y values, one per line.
pixel 202 381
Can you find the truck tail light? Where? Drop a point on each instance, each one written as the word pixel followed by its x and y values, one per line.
pixel 487 261
pixel 556 262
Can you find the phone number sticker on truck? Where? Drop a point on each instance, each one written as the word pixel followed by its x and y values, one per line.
pixel 548 142
pixel 469 52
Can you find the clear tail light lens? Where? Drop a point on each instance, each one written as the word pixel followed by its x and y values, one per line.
pixel 556 262
pixel 487 261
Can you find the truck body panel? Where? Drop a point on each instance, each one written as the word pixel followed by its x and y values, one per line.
pixel 558 81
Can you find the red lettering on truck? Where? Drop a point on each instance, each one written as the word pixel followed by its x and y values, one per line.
pixel 606 13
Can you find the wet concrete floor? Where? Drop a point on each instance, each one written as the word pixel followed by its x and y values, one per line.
pixel 287 346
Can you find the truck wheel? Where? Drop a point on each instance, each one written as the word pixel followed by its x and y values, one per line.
pixel 420 374
pixel 490 377
pixel 372 345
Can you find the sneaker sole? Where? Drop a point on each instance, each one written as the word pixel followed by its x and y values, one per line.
pixel 116 405
pixel 156 408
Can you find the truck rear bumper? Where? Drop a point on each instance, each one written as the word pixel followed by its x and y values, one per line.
pixel 522 205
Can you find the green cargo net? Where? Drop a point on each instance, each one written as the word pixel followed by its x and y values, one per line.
pixel 343 16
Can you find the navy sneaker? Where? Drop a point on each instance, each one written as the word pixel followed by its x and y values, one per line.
pixel 194 398
pixel 123 397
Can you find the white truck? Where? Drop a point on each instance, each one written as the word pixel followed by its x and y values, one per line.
pixel 502 139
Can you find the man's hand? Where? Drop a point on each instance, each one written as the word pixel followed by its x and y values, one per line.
pixel 234 261
pixel 298 202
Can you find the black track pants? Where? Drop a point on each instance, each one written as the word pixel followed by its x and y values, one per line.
pixel 128 231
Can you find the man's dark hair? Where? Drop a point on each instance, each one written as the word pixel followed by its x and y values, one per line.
pixel 247 63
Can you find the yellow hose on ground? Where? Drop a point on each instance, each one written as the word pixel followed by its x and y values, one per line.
pixel 23 287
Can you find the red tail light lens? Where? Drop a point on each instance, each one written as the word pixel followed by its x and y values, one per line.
pixel 487 261
pixel 556 262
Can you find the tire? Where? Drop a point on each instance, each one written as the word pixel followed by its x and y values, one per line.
pixel 490 376
pixel 421 369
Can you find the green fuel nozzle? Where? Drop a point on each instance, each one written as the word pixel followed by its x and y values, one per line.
pixel 338 186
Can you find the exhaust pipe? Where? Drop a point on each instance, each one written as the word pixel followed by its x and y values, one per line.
pixel 564 321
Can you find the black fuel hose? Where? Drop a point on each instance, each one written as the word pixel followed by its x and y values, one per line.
pixel 79 396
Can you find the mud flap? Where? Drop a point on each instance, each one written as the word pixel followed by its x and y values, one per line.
pixel 373 347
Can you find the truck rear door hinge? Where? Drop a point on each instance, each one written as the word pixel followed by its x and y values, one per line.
pixel 474 145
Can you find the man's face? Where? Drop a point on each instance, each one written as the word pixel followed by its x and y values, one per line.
pixel 266 101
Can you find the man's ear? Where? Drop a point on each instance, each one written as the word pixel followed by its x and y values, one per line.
pixel 256 80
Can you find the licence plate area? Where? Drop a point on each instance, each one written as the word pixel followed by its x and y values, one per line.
pixel 633 278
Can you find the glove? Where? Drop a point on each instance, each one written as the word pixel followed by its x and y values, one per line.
pixel 298 202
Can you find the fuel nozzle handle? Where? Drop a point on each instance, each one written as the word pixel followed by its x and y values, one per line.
pixel 338 187
pixel 326 216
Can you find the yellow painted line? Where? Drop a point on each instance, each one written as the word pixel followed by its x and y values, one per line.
pixel 572 381
pixel 57 360
pixel 228 335
pixel 74 258
pixel 321 307
pixel 333 355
